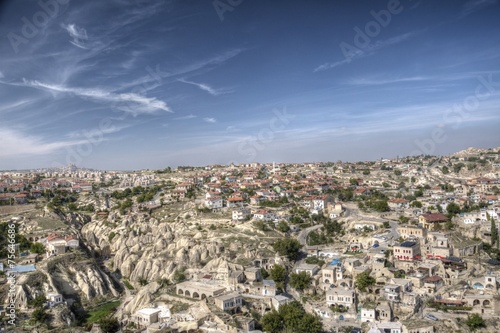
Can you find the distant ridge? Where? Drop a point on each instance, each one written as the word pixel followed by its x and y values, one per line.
pixel 471 151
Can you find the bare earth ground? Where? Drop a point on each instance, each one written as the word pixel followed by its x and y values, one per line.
pixel 16 209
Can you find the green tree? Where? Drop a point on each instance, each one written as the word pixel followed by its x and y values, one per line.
pixel 291 317
pixel 72 206
pixel 494 232
pixel 272 322
pixel 39 315
pixel 457 167
pixel 310 324
pixel 475 321
pixel 260 225
pixel 496 190
pixel 416 204
pixel 288 247
pixel 403 219
pixel 300 281
pixel 452 208
pixel 37 248
pixel 283 226
pixel 38 301
pixel 397 172
pixel 111 235
pixel 449 225
pixel 264 273
pixel 317 238
pixel 278 273
pixel 109 325
pixel 445 170
pixel 364 280
pixel 179 276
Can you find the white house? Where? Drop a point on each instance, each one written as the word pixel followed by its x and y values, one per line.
pixel 362 225
pixel 341 297
pixel 214 202
pixel 263 214
pixel 391 327
pixel 279 300
pixel 54 299
pixel 241 214
pixel 72 241
pixel 308 268
pixel 368 314
pixel 55 244
pixel 146 317
pixel 229 301
pixel 268 288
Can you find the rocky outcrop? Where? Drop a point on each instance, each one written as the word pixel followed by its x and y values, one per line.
pixel 145 248
pixel 72 276
pixel 142 299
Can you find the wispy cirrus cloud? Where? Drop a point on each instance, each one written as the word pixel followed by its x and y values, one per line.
pixel 206 87
pixel 357 53
pixel 16 143
pixel 474 5
pixel 381 81
pixel 210 120
pixel 93 133
pixel 189 116
pixel 232 129
pixel 129 102
pixel 78 35
pixel 208 63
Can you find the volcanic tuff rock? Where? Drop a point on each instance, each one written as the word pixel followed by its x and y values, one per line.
pixel 71 276
pixel 145 248
pixel 143 298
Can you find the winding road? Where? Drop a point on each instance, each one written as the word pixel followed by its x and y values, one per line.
pixel 302 237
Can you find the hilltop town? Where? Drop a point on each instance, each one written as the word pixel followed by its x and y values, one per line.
pixel 403 245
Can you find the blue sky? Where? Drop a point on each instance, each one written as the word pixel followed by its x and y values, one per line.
pixel 147 84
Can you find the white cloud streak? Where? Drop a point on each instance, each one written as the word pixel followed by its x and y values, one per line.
pixel 474 5
pixel 78 35
pixel 210 120
pixel 129 102
pixel 368 81
pixel 96 132
pixel 367 51
pixel 15 143
pixel 189 116
pixel 205 87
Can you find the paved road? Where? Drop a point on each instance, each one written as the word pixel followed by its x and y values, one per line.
pixel 302 237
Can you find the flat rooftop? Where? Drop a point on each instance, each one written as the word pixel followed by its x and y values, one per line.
pixel 148 311
pixel 200 286
pixel 228 296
